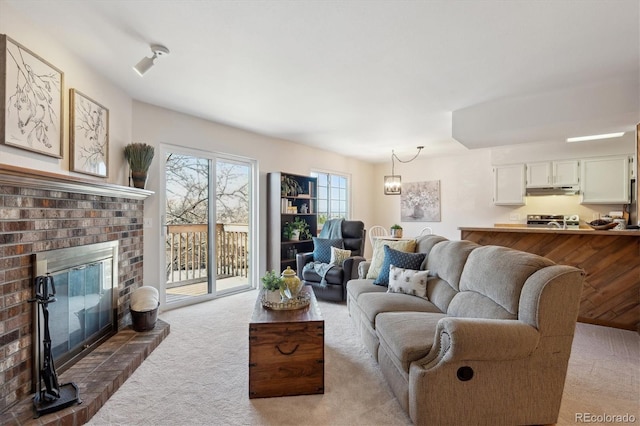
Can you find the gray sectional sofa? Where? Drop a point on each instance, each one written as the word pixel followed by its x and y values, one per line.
pixel 488 345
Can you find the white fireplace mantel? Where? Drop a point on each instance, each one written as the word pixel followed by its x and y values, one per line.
pixel 29 178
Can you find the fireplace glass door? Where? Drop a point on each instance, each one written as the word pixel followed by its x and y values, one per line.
pixel 82 309
pixel 85 308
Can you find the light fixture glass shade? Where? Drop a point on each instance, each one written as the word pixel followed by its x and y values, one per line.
pixel 144 65
pixel 392 185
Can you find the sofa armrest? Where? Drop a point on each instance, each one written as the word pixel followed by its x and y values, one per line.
pixel 363 268
pixel 480 339
pixel 301 260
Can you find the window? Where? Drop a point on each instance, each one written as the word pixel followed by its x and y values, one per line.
pixel 333 195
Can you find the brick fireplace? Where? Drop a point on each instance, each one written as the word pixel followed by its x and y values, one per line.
pixel 41 212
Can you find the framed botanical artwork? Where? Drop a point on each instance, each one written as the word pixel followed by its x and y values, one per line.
pixel 420 202
pixel 89 135
pixel 31 100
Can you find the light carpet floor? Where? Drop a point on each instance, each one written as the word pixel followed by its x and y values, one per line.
pixel 199 376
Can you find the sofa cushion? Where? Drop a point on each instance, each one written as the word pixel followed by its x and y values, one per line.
pixel 357 287
pixel 425 243
pixel 372 304
pixel 447 259
pixel 408 281
pixel 322 248
pixel 397 258
pixel 439 292
pixel 378 254
pixel 338 256
pixel 407 336
pixel 492 281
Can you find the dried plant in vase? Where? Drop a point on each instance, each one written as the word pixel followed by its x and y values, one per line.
pixel 139 157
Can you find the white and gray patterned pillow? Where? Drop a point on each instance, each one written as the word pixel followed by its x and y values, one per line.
pixel 408 281
pixel 338 256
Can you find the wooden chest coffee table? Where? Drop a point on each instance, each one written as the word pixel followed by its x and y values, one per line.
pixel 286 350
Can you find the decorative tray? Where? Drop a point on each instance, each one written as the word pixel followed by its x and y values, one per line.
pixel 300 301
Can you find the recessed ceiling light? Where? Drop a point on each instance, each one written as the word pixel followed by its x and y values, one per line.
pixel 594 137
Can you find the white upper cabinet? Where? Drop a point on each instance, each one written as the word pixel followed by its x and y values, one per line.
pixel 553 173
pixel 508 188
pixel 605 180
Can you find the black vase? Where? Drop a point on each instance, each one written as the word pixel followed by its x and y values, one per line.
pixel 139 179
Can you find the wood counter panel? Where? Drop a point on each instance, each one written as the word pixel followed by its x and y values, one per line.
pixel 610 295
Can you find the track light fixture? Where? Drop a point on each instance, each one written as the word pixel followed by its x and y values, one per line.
pixel 145 63
pixel 393 183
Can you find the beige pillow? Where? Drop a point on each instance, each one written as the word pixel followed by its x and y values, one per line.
pixel 408 281
pixel 377 259
pixel 338 256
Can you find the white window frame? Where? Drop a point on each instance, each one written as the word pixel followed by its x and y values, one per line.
pixel 345 176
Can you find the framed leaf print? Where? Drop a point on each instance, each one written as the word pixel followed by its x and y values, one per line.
pixel 31 100
pixel 89 135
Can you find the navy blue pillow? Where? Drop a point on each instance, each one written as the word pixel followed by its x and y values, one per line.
pixel 322 248
pixel 398 259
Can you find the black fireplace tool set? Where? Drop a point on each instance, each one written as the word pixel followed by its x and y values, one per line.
pixel 53 396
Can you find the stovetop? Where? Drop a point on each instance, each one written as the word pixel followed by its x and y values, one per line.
pixel 549 221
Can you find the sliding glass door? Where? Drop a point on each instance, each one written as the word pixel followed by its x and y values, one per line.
pixel 208 218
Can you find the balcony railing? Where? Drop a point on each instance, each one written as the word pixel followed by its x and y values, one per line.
pixel 187 252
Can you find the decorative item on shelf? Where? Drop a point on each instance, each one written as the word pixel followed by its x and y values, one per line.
pixel 296 230
pixel 272 284
pixel 290 187
pixel 139 157
pixel 292 210
pixel 393 183
pixel 396 231
pixel 292 283
pixel 304 209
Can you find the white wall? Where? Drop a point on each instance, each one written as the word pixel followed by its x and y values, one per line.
pixel 466 179
pixel 466 185
pixel 155 125
pixel 77 75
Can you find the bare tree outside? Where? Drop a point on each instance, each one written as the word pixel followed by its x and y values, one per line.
pixel 187 210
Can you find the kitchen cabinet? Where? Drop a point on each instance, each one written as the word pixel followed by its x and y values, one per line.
pixel 509 184
pixel 606 180
pixel 553 173
pixel 290 199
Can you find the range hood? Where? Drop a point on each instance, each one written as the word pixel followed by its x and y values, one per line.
pixel 554 190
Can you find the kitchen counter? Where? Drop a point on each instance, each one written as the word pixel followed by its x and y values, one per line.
pixel 533 230
pixel 610 259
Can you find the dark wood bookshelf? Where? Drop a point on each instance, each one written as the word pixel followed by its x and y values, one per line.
pixel 280 208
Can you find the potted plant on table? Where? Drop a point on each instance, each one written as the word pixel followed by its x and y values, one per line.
pixel 396 231
pixel 139 157
pixel 273 284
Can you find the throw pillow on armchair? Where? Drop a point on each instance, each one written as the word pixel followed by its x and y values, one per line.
pixel 333 287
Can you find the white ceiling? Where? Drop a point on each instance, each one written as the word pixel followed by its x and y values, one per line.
pixel 364 77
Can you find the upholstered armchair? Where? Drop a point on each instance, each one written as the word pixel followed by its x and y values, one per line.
pixel 336 277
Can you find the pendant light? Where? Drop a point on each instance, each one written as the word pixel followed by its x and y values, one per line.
pixel 393 182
